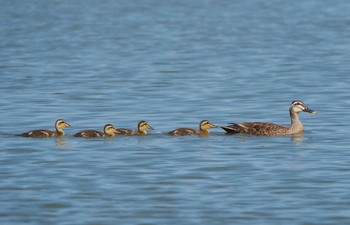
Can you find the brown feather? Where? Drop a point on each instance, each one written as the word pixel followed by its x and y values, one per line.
pixel 89 134
pixel 40 134
pixel 124 131
pixel 182 132
pixel 256 128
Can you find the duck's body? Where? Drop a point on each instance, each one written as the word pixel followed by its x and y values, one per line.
pixel 271 129
pixel 257 128
pixel 142 127
pixel 108 131
pixel 204 127
pixel 89 134
pixel 59 125
pixel 183 132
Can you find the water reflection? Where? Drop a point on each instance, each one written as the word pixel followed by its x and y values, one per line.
pixel 297 138
pixel 62 142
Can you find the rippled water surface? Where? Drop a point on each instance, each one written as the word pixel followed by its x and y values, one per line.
pixel 174 63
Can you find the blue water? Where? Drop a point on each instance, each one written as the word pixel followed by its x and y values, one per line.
pixel 174 63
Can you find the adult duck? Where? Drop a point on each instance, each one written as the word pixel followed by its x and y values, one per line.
pixel 272 129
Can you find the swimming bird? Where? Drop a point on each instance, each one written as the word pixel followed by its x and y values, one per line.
pixel 204 125
pixel 59 125
pixel 271 129
pixel 108 131
pixel 142 127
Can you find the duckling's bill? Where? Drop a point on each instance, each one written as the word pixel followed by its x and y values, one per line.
pixel 310 111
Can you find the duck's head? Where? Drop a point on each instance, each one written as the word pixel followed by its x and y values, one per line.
pixel 60 124
pixel 205 125
pixel 143 126
pixel 298 106
pixel 109 129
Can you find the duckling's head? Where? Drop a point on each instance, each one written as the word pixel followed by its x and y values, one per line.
pixel 205 125
pixel 298 106
pixel 60 124
pixel 110 130
pixel 143 126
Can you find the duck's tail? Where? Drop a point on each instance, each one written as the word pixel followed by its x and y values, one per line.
pixel 232 129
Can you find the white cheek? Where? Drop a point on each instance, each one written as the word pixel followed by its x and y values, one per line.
pixel 298 109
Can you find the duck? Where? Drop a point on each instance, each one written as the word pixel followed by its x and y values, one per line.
pixel 59 125
pixel 142 127
pixel 272 129
pixel 108 131
pixel 204 127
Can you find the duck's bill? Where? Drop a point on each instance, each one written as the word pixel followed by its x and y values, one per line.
pixel 149 127
pixel 68 125
pixel 310 111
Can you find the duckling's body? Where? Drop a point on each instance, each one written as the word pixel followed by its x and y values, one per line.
pixel 183 132
pixel 59 125
pixel 89 134
pixel 271 129
pixel 204 127
pixel 108 131
pixel 142 127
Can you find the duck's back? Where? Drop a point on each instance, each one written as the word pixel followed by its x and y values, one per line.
pixel 89 134
pixel 39 134
pixel 124 131
pixel 256 128
pixel 182 132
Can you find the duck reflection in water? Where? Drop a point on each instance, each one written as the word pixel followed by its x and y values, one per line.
pixel 62 142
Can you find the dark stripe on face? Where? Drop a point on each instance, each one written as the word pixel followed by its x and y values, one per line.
pixel 205 122
pixel 298 102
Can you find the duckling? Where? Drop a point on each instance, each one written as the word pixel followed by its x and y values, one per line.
pixel 109 131
pixel 271 129
pixel 204 125
pixel 59 125
pixel 141 129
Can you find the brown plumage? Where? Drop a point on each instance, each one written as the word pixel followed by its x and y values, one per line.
pixel 142 127
pixel 256 128
pixel 108 131
pixel 271 129
pixel 59 125
pixel 204 125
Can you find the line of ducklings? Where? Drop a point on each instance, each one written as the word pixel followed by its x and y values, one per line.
pixel 253 128
pixel 110 131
